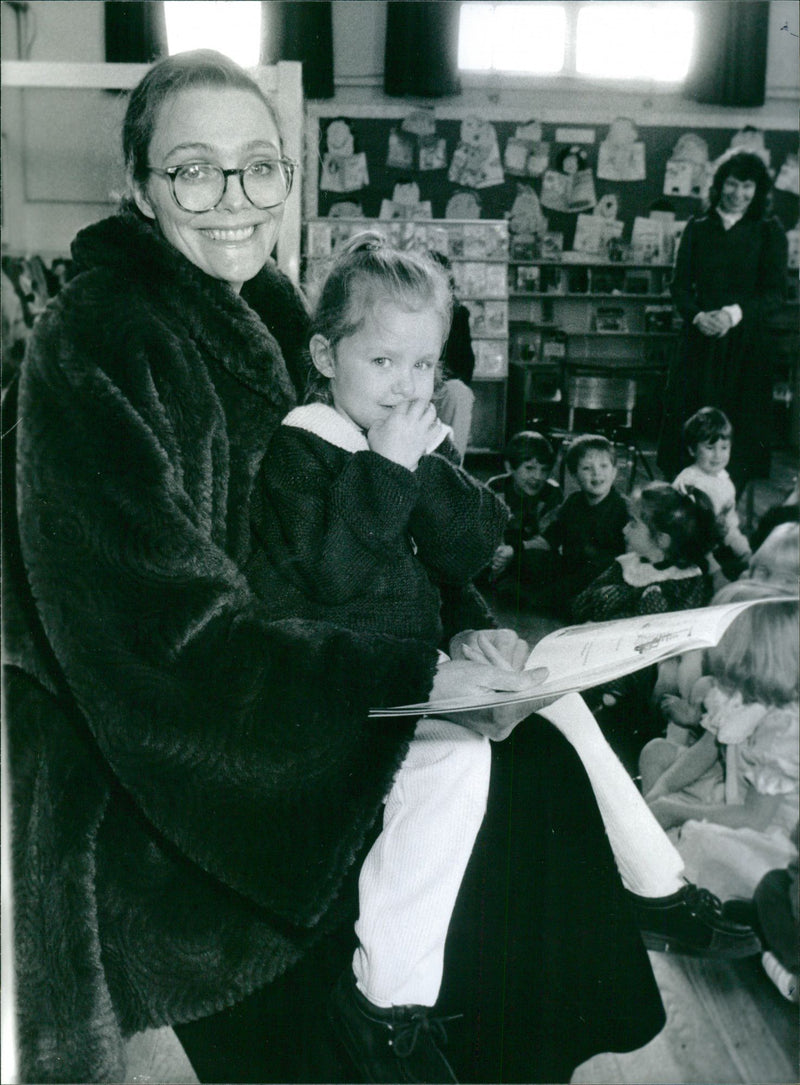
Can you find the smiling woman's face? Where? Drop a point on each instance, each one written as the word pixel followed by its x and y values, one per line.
pixel 226 127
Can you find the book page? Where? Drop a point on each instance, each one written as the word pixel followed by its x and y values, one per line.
pixel 582 656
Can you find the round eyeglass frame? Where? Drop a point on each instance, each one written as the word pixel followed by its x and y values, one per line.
pixel 171 172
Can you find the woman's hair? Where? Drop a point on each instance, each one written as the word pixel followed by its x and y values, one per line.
pixel 744 166
pixel 706 426
pixel 529 445
pixel 367 271
pixel 588 442
pixel 758 653
pixel 688 519
pixel 199 68
pixel 777 561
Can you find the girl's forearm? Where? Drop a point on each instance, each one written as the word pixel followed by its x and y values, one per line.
pixel 756 812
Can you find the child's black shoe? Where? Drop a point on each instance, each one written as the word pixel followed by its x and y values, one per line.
pixel 398 1044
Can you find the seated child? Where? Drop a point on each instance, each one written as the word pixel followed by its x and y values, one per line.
pixel 667 538
pixel 531 497
pixel 777 560
pixel 773 566
pixel 707 435
pixel 361 510
pixel 586 533
pixel 732 799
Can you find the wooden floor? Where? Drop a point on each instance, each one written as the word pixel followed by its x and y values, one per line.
pixel 726 1024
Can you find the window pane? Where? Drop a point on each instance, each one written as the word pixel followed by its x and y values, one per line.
pixel 475 37
pixel 233 28
pixel 529 37
pixel 630 40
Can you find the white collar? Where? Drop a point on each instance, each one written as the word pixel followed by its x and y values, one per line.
pixel 728 220
pixel 639 572
pixel 324 421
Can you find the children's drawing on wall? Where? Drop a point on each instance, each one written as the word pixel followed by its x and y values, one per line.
pixel 569 187
pixel 788 179
pixel 400 150
pixel 621 155
pixel 345 209
pixel 526 224
pixel 343 170
pixel 793 242
pixel 405 203
pixel 594 232
pixel 751 139
pixel 688 171
pixel 432 154
pixel 463 205
pixel 476 160
pixel 525 154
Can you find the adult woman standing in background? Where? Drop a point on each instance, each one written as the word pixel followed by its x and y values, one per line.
pixel 195 784
pixel 730 277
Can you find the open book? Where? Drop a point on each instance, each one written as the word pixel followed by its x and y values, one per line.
pixel 582 656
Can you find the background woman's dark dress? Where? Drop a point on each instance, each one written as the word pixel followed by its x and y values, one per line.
pixel 745 265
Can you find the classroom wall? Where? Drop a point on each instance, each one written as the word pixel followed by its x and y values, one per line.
pixel 61 147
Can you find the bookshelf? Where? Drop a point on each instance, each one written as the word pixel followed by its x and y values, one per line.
pixel 478 253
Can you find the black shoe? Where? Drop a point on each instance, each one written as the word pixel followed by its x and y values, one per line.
pixel 399 1044
pixel 691 922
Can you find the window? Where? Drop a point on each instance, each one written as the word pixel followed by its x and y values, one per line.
pixel 605 39
pixel 231 28
pixel 512 37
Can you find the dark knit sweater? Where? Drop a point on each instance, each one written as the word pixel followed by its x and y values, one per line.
pixel 587 537
pixel 653 591
pixel 527 513
pixel 348 536
pixel 192 780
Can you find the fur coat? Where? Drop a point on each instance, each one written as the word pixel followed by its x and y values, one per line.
pixel 192 781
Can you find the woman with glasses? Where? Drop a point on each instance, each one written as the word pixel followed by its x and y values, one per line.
pixel 195 784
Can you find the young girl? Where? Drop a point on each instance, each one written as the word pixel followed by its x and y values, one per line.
pixel 731 799
pixel 668 537
pixel 362 512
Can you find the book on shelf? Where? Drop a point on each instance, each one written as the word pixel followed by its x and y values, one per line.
pixel 581 657
pixel 610 318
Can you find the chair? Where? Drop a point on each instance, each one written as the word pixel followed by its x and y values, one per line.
pixel 611 400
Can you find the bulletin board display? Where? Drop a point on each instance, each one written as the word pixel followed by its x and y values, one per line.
pixel 539 176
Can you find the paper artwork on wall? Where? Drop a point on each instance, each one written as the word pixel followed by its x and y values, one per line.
pixel 593 233
pixel 647 240
pixel 420 123
pixel 525 154
pixel 342 169
pixel 432 154
pixel 526 223
pixel 688 172
pixel 751 139
pixel 788 179
pixel 400 151
pixel 406 204
pixel 463 205
pixel 476 160
pixel 621 155
pixel 793 241
pixel 345 209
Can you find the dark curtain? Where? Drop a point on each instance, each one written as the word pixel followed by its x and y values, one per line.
pixel 135 33
pixel 301 30
pixel 422 49
pixel 730 62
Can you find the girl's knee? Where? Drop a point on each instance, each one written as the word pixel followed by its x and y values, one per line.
pixel 655 758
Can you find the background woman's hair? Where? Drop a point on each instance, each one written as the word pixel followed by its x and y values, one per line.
pixel 688 519
pixel 183 71
pixel 366 272
pixel 759 654
pixel 744 166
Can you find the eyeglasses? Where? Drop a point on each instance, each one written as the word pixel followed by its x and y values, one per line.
pixel 199 186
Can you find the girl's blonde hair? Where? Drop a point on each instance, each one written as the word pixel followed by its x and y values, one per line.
pixel 777 560
pixel 366 272
pixel 758 655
